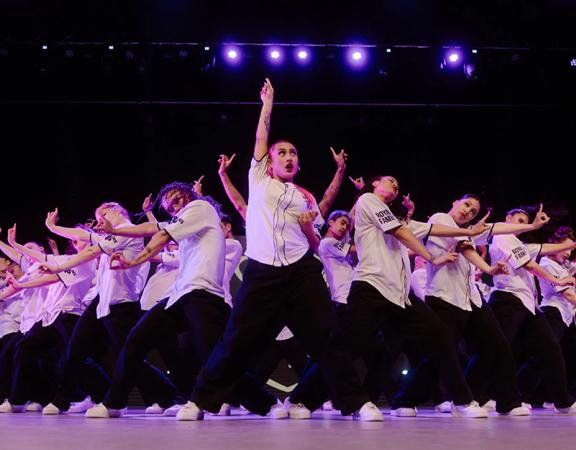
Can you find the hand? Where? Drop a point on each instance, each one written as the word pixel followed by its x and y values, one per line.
pixel 409 205
pixel 339 158
pixel 104 226
pixel 541 218
pixel 481 226
pixel 198 186
pixel 53 246
pixel 12 235
pixel 118 262
pixel 307 218
pixel 225 163
pixel 148 204
pixel 52 218
pixel 500 268
pixel 566 281
pixel 267 92
pixel 13 281
pixel 357 182
pixel 445 259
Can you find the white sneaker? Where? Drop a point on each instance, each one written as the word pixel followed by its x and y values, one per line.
pixel 33 407
pixel 404 412
pixel 490 405
pixel 5 407
pixel 523 410
pixel 51 410
pixel 172 411
pixel 190 411
pixel 548 405
pixel 568 410
pixel 444 407
pixel 327 406
pixel 225 410
pixel 297 410
pixel 154 409
pixel 368 413
pixel 101 412
pixel 278 411
pixel 81 407
pixel 471 410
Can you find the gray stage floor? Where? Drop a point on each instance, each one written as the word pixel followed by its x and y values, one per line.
pixel 328 430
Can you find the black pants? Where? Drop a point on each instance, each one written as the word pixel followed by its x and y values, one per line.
pixel 531 334
pixel 269 298
pixel 201 313
pixel 38 342
pixel 7 345
pixel 492 362
pixel 90 338
pixel 289 349
pixel 368 312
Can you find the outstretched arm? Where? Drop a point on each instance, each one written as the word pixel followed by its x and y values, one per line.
pixel 263 130
pixel 551 249
pixel 35 255
pixel 334 187
pixel 66 232
pixel 140 230
pixel 536 269
pixel 233 194
pixel 10 252
pixel 87 254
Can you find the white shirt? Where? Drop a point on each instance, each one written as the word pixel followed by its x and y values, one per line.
pixel 418 283
pixel 383 260
pixel 453 282
pixel 520 282
pixel 234 252
pixel 33 298
pixel 273 234
pixel 66 295
pixel 10 312
pixel 552 295
pixel 337 267
pixel 118 286
pixel 160 284
pixel 196 228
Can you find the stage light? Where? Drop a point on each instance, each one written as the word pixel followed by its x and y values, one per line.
pixel 388 50
pixel 275 55
pixel 44 47
pixel 469 69
pixel 302 55
pixel 404 372
pixel 110 47
pixel 206 48
pixel 232 55
pixel 357 57
pixel 474 51
pixel 573 62
pixel 453 57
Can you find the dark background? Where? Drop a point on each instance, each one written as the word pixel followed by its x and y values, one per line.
pixel 81 124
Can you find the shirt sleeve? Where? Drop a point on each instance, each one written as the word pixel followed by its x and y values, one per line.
pixel 258 170
pixel 485 238
pixel 377 212
pixel 334 247
pixel 109 243
pixel 512 248
pixel 419 229
pixel 192 221
pixel 170 259
pixel 534 250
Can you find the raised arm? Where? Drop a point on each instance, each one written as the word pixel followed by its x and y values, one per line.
pixel 53 246
pixel 66 232
pixel 25 251
pixel 147 206
pixel 334 187
pixel 87 254
pixel 233 194
pixel 540 220
pixel 10 252
pixel 263 130
pixel 551 249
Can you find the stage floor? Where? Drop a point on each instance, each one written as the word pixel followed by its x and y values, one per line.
pixel 327 430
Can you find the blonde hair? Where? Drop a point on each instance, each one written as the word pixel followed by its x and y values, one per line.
pixel 115 206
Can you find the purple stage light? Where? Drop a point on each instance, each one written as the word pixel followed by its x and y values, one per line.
pixel 302 55
pixel 232 55
pixel 573 62
pixel 275 55
pixel 357 57
pixel 453 57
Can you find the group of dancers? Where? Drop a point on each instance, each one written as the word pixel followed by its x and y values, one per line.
pixel 320 300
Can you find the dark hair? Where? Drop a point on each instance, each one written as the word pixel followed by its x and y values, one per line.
pixel 561 234
pixel 473 196
pixel 396 206
pixel 187 189
pixel 225 218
